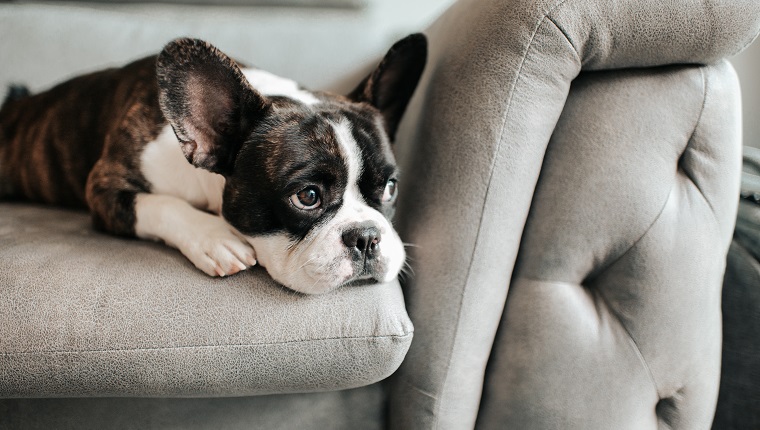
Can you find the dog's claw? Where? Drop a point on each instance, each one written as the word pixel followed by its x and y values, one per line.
pixel 232 268
pixel 218 270
pixel 217 248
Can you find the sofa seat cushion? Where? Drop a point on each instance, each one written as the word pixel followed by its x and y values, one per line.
pixel 87 314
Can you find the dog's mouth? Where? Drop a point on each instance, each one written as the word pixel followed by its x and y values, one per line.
pixel 360 277
pixel 361 281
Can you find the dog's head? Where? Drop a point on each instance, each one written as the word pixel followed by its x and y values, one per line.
pixel 310 177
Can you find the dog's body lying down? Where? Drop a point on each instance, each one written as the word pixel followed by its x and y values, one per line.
pixel 230 165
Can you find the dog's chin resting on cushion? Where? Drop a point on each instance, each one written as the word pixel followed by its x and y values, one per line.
pixel 231 165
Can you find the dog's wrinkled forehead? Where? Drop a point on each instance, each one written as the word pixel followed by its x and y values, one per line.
pixel 331 135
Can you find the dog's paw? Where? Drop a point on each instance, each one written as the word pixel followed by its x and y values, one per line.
pixel 218 249
pixel 207 240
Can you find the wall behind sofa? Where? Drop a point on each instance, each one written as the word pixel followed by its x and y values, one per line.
pixel 42 43
pixel 747 66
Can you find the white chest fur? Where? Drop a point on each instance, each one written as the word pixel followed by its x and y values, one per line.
pixel 168 172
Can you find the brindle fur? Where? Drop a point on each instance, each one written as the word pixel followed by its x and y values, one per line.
pixel 91 126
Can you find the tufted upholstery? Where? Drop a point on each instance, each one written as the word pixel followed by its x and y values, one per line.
pixel 614 304
pixel 622 252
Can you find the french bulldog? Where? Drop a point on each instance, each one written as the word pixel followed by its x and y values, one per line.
pixel 231 165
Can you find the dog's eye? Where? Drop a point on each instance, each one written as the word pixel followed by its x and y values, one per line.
pixel 306 199
pixel 390 191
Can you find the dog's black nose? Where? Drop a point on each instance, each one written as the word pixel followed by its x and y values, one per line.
pixel 362 239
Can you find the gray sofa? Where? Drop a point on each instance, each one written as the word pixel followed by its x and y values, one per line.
pixel 739 398
pixel 571 173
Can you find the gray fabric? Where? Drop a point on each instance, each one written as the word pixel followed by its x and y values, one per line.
pixel 739 400
pixel 310 3
pixel 613 315
pixel 86 314
pixel 615 34
pixel 750 188
pixel 748 223
pixel 360 408
pixel 472 145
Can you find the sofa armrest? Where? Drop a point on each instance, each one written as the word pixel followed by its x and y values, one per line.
pixel 618 34
pixel 472 145
pixel 84 314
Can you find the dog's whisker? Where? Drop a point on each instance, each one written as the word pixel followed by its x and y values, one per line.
pixel 407 268
pixel 321 278
pixel 305 263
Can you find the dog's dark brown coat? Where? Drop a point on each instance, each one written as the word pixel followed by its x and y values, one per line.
pixel 89 125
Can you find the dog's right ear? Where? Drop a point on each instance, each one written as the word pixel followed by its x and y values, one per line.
pixel 207 100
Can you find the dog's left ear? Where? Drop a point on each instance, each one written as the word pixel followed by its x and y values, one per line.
pixel 209 103
pixel 390 86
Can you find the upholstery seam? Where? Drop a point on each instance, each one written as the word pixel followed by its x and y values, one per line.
pixel 185 347
pixel 746 45
pixel 613 312
pixel 590 279
pixel 602 296
pixel 564 33
pixel 632 340
pixel 598 293
pixel 529 46
pixel 690 141
pixel 594 292
pixel 419 390
pixel 639 239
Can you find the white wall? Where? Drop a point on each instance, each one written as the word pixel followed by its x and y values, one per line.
pixel 747 66
pixel 42 43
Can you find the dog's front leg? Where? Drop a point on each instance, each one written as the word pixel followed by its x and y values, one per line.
pixel 207 240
